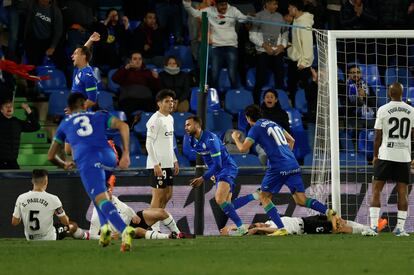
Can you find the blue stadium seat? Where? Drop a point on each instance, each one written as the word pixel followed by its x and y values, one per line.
pixel 282 97
pixel 183 53
pixel 237 100
pixel 183 161
pixel 224 81
pixel 352 159
pixel 341 75
pixel 112 86
pixel 134 145
pixel 308 159
pixel 219 122
pixel 57 81
pixel 382 96
pixel 400 74
pixel 371 74
pixel 295 119
pixel 301 148
pixel 251 79
pixel 105 100
pixel 141 128
pixel 179 121
pixel 366 143
pixel 213 101
pixel 300 101
pixel 98 77
pixel 246 160
pixel 46 65
pixel 345 141
pixel 242 122
pixel 188 152
pixel 138 161
pixel 57 102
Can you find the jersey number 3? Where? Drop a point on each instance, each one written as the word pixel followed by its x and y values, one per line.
pixel 278 135
pixel 85 126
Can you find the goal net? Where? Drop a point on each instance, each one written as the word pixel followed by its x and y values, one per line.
pixel 354 70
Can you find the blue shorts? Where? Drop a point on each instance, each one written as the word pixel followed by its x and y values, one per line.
pixel 274 180
pixel 93 177
pixel 228 175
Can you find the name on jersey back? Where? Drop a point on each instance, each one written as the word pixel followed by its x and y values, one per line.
pixel 399 109
pixel 35 200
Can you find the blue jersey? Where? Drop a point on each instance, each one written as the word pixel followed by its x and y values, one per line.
pixel 271 138
pixel 214 153
pixel 84 82
pixel 85 132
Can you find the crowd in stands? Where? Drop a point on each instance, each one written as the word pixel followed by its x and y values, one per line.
pixel 148 45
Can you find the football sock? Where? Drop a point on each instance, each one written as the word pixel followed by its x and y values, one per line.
pixel 357 228
pixel 109 210
pixel 81 234
pixel 150 234
pixel 156 226
pixel 374 213
pixel 242 201
pixel 271 211
pixel 170 223
pixel 316 205
pixel 229 210
pixel 102 218
pixel 401 217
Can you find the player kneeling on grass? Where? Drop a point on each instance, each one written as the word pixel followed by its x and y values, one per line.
pixel 318 224
pixel 36 209
pixel 141 221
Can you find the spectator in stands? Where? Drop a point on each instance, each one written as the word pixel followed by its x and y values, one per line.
pixel 393 15
pixel 272 110
pixel 222 18
pixel 170 17
pixel 16 11
pixel 43 31
pixel 138 85
pixel 10 130
pixel 357 15
pixel 333 8
pixel 300 51
pixel 316 8
pixel 150 40
pixel 270 44
pixel 112 46
pixel 172 78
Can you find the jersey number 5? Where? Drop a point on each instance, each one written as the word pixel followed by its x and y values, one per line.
pixel 278 135
pixel 85 126
pixel 33 218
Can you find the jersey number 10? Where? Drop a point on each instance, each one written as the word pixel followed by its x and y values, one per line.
pixel 278 135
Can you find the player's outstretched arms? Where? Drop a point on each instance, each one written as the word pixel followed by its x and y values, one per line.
pixel 93 38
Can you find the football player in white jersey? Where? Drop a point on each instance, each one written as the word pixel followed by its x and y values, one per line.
pixel 160 147
pixel 392 154
pixel 36 209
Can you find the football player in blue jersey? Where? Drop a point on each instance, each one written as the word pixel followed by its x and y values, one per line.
pixel 283 168
pixel 220 165
pixel 85 132
pixel 84 80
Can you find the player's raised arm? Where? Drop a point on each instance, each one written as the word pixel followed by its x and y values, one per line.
pixel 243 147
pixel 93 38
pixel 123 129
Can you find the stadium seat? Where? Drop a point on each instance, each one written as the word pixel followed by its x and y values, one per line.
pixel 237 100
pixel 141 128
pixel 112 86
pixel 345 141
pixel 251 79
pixel 352 159
pixel 371 74
pixel 138 161
pixel 300 101
pixel 242 122
pixel 301 148
pixel 98 77
pixel 105 100
pixel 33 160
pixel 295 119
pixel 183 53
pixel 224 81
pixel 213 101
pixel 179 122
pixel 248 160
pixel 134 145
pixel 20 113
pixel 57 102
pixel 57 81
pixel 34 137
pixel 183 161
pixel 219 122
pixel 308 159
pixel 188 152
pixel 366 143
pixel 282 97
pixel 382 96
pixel 341 75
pixel 400 74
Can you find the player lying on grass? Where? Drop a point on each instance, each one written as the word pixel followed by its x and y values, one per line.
pixel 141 221
pixel 318 224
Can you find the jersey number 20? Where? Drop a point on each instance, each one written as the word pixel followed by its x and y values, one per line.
pixel 278 135
pixel 85 126
pixel 400 127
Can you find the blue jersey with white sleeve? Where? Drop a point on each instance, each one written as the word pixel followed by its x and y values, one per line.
pixel 214 154
pixel 271 138
pixel 84 82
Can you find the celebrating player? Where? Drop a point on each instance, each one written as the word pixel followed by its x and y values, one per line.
pixel 160 148
pixel 85 132
pixel 220 165
pixel 283 166
pixel 392 154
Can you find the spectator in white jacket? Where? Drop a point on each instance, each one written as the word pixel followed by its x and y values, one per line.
pixel 300 51
pixel 222 18
pixel 270 44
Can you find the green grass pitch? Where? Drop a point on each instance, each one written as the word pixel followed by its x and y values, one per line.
pixel 311 254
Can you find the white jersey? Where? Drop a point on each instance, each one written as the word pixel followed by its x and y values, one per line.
pixel 124 211
pixel 160 129
pixel 36 210
pixel 396 120
pixel 292 225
